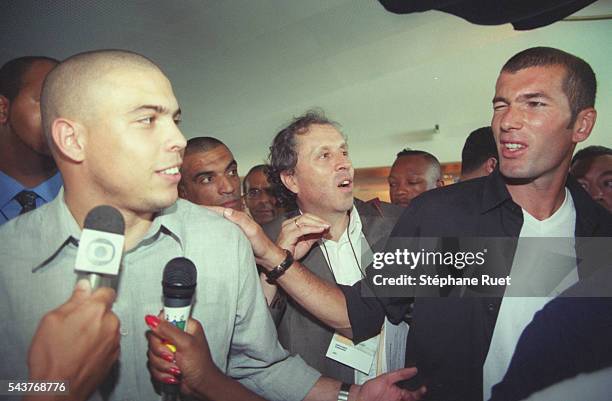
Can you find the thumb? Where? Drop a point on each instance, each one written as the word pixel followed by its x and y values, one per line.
pixel 82 291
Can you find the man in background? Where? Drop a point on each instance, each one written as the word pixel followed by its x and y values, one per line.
pixel 28 174
pixel 209 174
pixel 259 196
pixel 479 154
pixel 412 173
pixel 592 167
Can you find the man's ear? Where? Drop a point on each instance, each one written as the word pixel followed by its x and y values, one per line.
pixel 289 181
pixel 5 106
pixel 585 121
pixel 68 139
pixel 490 165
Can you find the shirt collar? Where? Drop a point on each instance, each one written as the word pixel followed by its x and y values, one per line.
pixel 66 230
pixel 353 229
pixel 62 229
pixel 11 187
pixel 495 192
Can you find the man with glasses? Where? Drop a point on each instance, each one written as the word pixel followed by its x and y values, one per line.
pixel 259 196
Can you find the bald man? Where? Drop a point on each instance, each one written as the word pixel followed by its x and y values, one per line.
pixel 412 173
pixel 28 175
pixel 209 174
pixel 112 119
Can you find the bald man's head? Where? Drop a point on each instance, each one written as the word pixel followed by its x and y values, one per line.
pixel 69 90
pixel 112 120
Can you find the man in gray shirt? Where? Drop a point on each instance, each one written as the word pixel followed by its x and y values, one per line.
pixel 111 118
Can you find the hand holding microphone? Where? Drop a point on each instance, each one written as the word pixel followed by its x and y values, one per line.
pixel 78 342
pixel 192 362
pixel 178 286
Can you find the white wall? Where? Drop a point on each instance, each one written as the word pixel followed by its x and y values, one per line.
pixel 243 68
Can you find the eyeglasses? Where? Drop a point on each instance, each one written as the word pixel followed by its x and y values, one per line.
pixel 255 193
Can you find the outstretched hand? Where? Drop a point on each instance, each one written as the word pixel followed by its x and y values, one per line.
pixel 297 235
pixel 383 387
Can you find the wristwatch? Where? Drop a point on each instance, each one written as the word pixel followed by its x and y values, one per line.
pixel 279 270
pixel 343 394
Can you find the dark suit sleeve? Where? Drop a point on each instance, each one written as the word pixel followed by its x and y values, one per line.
pixel 365 310
pixel 567 337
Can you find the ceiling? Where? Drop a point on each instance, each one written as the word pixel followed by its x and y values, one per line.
pixel 242 68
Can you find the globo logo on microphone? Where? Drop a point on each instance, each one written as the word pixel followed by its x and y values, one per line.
pixel 99 252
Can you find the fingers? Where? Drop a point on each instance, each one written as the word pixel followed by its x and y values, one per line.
pixel 240 218
pixel 162 370
pixel 298 227
pixel 104 295
pixel 167 331
pixel 161 361
pixel 217 209
pixel 306 220
pixel 401 374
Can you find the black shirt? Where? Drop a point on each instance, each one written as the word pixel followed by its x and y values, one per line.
pixel 449 338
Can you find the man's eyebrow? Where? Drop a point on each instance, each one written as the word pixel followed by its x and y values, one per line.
pixel 529 96
pixel 231 164
pixel 523 97
pixel 156 108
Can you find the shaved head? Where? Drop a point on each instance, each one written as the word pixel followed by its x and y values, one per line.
pixel 69 90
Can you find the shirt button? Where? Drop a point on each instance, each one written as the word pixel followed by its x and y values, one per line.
pixel 491 307
pixel 124 332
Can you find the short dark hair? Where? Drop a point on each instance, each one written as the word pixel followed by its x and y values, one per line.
pixel 202 144
pixel 435 170
pixel 12 72
pixel 283 155
pixel 262 167
pixel 590 152
pixel 478 148
pixel 579 84
pixel 433 160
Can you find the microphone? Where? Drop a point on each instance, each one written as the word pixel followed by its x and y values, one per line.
pixel 101 246
pixel 178 285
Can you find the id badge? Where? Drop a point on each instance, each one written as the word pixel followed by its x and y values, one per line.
pixel 359 357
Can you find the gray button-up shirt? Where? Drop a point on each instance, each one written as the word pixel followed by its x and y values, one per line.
pixel 37 255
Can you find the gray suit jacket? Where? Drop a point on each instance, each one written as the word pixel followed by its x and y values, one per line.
pixel 299 331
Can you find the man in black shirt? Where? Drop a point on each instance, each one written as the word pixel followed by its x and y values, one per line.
pixel 543 106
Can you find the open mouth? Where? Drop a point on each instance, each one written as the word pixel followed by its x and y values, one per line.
pixel 346 183
pixel 513 147
pixel 170 171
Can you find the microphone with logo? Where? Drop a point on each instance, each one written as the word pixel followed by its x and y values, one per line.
pixel 101 246
pixel 178 284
